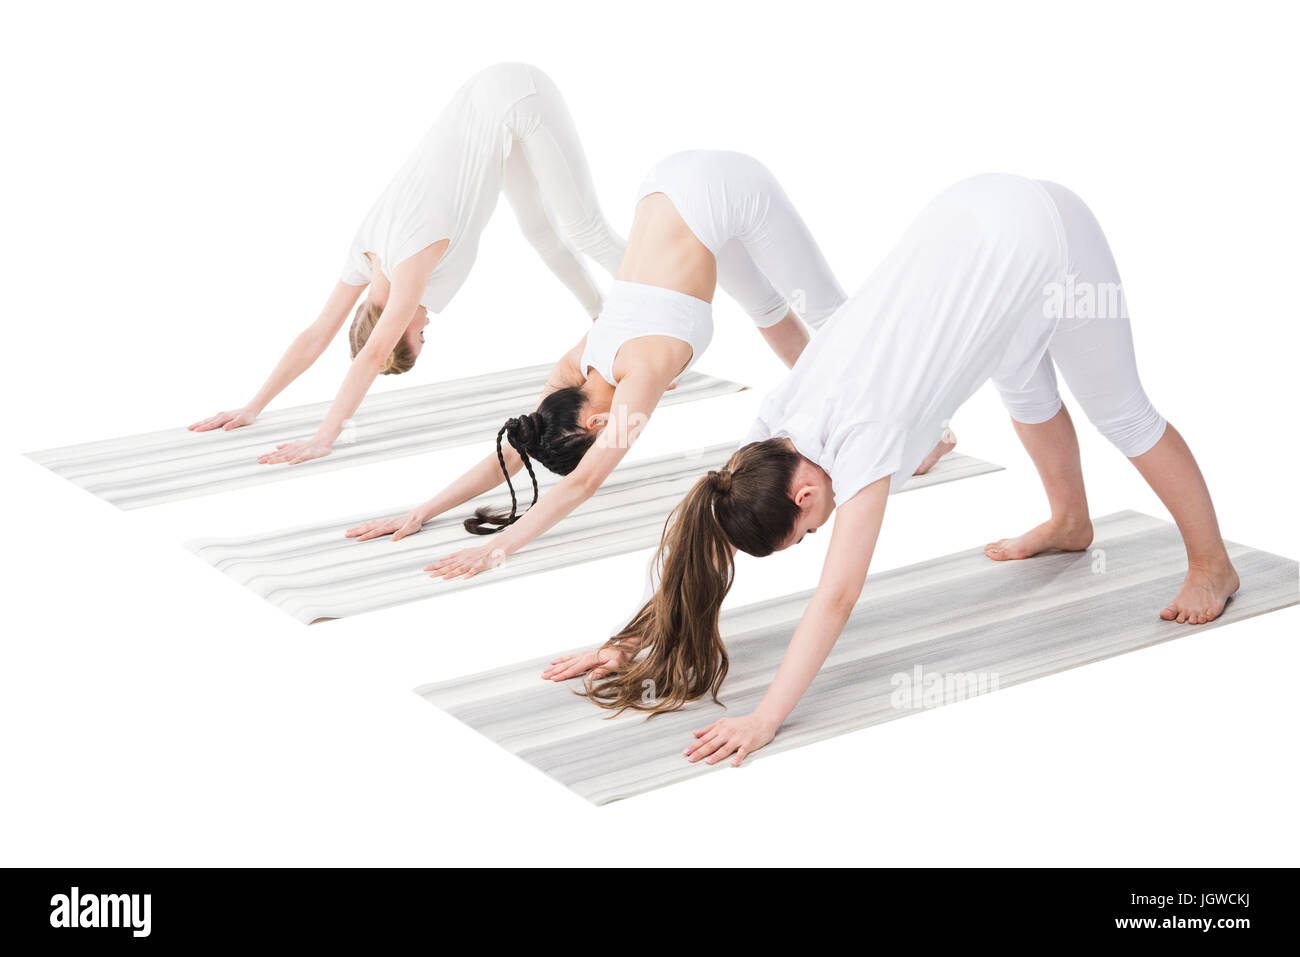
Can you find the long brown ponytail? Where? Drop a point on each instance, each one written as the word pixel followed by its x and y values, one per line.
pixel 679 651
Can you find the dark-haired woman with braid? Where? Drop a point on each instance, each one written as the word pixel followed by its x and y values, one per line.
pixel 999 278
pixel 704 219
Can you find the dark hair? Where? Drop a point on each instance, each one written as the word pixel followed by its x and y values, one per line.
pixel 747 504
pixel 553 435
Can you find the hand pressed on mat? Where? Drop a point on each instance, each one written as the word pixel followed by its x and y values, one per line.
pixel 467 562
pixel 738 736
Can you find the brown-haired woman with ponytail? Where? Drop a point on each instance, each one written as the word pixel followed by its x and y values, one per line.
pixel 704 219
pixel 507 130
pixel 972 293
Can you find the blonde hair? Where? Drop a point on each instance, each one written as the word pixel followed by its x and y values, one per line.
pixel 401 359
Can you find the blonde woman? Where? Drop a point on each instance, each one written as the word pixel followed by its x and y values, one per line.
pixel 972 293
pixel 506 130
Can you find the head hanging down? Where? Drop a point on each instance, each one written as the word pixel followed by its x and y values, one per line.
pixel 554 435
pixel 746 505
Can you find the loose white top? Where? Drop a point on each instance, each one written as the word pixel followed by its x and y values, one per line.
pixel 959 300
pixel 448 188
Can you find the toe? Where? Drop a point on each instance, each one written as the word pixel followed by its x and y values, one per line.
pixel 996 550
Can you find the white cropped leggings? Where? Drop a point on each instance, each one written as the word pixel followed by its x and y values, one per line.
pixel 778 266
pixel 548 184
pixel 1092 344
pixel 767 259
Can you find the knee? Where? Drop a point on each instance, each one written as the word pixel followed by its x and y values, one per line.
pixel 816 316
pixel 585 227
pixel 537 230
pixel 1133 428
pixel 770 312
pixel 593 237
pixel 1032 409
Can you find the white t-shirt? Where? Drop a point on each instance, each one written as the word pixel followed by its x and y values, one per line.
pixel 448 188
pixel 959 300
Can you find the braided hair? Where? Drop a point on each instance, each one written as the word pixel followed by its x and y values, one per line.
pixel 553 436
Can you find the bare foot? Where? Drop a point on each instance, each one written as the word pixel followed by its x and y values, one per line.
pixel 1205 591
pixel 947 443
pixel 1066 535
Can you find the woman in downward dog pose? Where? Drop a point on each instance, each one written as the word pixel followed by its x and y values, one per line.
pixel 703 219
pixel 974 291
pixel 506 130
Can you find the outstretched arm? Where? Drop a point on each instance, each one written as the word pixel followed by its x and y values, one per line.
pixel 857 526
pixel 409 279
pixel 482 478
pixel 297 359
pixel 634 399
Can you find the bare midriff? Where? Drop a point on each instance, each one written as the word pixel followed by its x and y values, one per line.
pixel 662 251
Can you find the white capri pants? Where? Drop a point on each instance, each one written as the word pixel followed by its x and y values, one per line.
pixel 549 187
pixel 1092 344
pixel 767 259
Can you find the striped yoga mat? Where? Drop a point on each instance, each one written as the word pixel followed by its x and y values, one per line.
pixel 157 467
pixel 314 573
pixel 922 635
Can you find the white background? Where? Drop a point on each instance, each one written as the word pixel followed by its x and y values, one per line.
pixel 179 189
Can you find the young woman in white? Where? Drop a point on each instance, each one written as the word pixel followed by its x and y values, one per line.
pixel 704 218
pixel 999 278
pixel 506 130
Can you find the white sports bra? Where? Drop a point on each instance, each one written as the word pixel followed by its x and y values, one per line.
pixel 633 310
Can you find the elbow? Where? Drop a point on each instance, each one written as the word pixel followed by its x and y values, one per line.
pixel 312 341
pixel 585 485
pixel 583 482
pixel 841 599
pixel 370 360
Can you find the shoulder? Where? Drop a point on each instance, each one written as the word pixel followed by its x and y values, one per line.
pixel 860 453
pixel 652 358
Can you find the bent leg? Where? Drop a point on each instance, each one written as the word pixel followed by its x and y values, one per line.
pixel 521 191
pixel 1171 471
pixel 783 250
pixel 1047 433
pixel 947 442
pixel 1095 355
pixel 554 154
pixel 742 280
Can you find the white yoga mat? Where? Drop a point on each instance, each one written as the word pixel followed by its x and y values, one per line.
pixel 973 624
pixel 156 467
pixel 314 573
